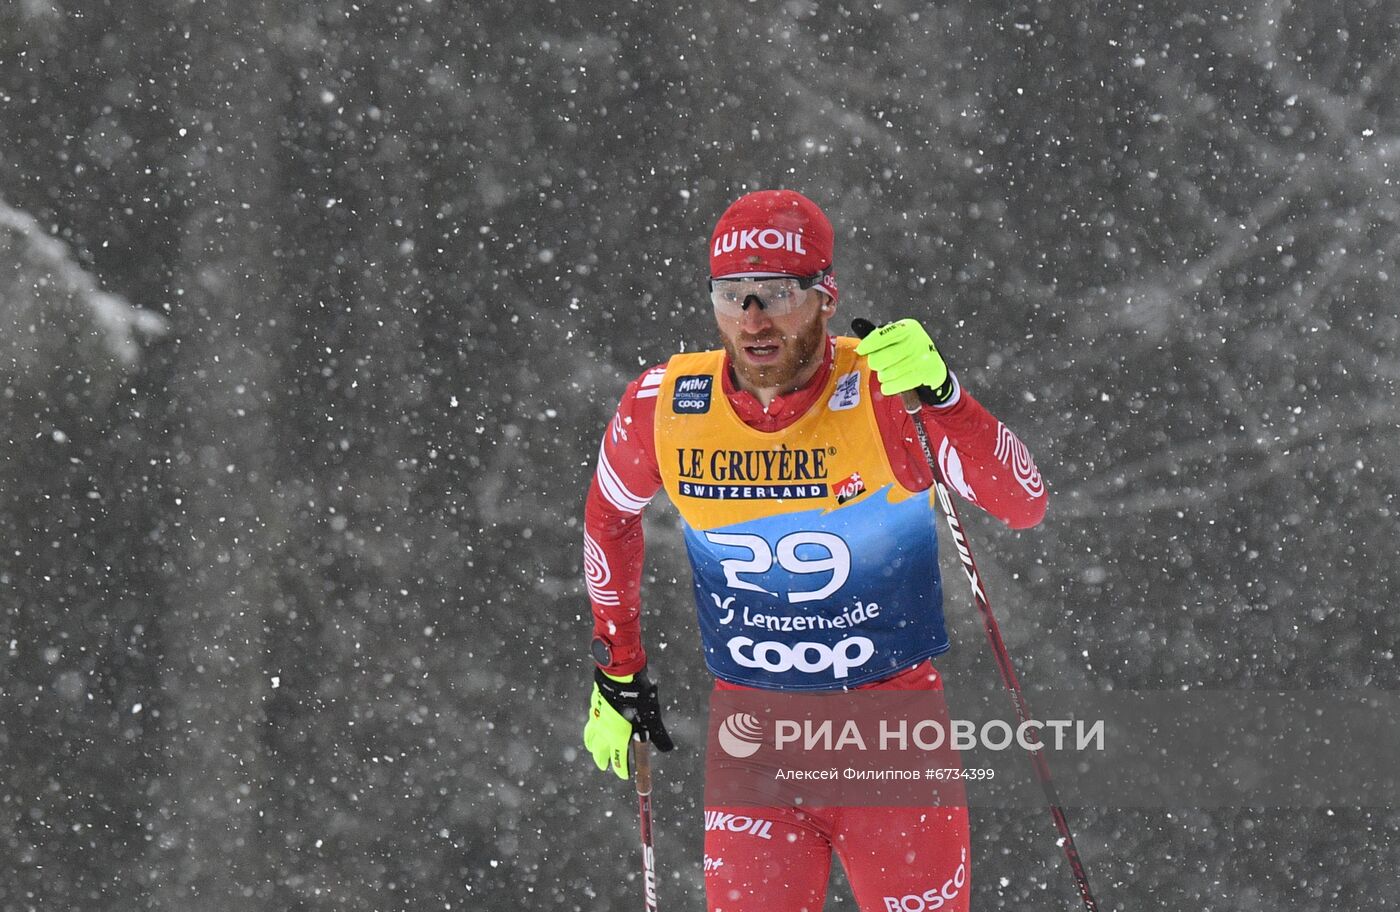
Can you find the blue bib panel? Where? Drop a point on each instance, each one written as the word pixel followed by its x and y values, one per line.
pixel 820 600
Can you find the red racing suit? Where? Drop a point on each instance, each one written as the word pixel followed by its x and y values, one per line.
pixel 896 858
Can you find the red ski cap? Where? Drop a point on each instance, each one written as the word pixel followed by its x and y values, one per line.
pixel 773 233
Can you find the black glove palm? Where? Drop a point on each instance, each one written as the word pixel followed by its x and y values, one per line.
pixel 638 702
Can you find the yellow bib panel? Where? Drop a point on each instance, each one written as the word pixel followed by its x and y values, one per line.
pixel 814 569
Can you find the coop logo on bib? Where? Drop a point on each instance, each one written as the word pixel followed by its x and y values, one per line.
pixel 809 658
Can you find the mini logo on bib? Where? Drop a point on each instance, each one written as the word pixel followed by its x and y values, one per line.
pixel 847 395
pixel 692 394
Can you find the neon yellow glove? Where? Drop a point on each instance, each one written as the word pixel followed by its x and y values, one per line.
pixel 618 708
pixel 904 358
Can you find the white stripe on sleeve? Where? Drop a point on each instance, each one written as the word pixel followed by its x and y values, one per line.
pixel 614 491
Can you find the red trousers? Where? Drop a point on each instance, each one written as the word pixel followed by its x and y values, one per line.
pixel 897 859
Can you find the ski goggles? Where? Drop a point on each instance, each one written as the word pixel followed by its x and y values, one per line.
pixel 776 296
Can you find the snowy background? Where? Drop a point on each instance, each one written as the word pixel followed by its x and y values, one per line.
pixel 311 316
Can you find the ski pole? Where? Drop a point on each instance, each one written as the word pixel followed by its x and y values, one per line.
pixel 641 761
pixel 914 407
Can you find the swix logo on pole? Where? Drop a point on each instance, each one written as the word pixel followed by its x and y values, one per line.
pixel 960 540
pixel 649 869
pixel 759 239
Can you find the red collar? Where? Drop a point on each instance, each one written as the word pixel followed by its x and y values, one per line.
pixel 785 408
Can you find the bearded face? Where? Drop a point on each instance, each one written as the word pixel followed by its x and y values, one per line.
pixel 778 353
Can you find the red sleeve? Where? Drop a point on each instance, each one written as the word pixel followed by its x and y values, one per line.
pixel 626 479
pixel 978 456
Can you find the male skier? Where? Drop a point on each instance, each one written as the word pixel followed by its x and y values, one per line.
pixel 804 490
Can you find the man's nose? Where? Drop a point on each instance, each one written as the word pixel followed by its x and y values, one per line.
pixel 755 315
